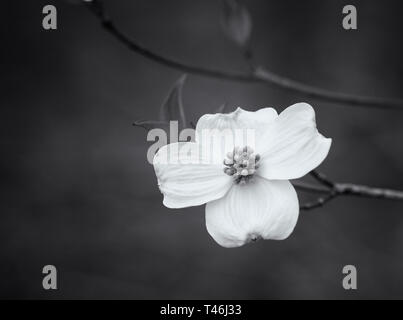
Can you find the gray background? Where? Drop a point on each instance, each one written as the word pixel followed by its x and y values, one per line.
pixel 77 191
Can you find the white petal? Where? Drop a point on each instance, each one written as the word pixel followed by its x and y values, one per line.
pixel 292 145
pixel 186 179
pixel 259 209
pixel 238 119
pixel 222 132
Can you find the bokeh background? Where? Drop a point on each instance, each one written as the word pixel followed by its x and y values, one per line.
pixel 78 193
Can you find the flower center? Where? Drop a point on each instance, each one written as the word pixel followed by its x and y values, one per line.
pixel 241 163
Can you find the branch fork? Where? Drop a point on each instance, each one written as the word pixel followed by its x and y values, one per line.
pixel 331 190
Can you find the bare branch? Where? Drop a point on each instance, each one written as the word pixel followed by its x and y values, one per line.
pixel 334 189
pixel 321 178
pixel 308 187
pixel 259 75
pixel 320 202
pixel 368 192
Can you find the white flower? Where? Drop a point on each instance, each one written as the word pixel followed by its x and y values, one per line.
pixel 247 191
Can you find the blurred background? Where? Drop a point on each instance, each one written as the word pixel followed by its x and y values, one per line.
pixel 77 190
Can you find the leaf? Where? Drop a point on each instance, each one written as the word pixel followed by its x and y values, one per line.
pixel 236 22
pixel 172 108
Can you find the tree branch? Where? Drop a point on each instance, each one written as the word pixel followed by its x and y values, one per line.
pixel 258 75
pixel 320 202
pixel 368 192
pixel 308 187
pixel 322 179
pixel 335 189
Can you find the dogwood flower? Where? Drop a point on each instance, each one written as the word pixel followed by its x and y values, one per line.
pixel 246 189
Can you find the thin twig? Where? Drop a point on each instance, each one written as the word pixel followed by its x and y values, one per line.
pixel 335 189
pixel 368 192
pixel 319 202
pixel 259 75
pixel 308 187
pixel 321 178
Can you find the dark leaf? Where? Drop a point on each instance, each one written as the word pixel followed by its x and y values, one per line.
pixel 236 22
pixel 172 109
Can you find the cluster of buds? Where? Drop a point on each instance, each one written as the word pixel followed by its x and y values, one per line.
pixel 241 163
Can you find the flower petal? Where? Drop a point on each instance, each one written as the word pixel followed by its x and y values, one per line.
pixel 238 119
pixel 292 146
pixel 186 179
pixel 222 132
pixel 259 209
